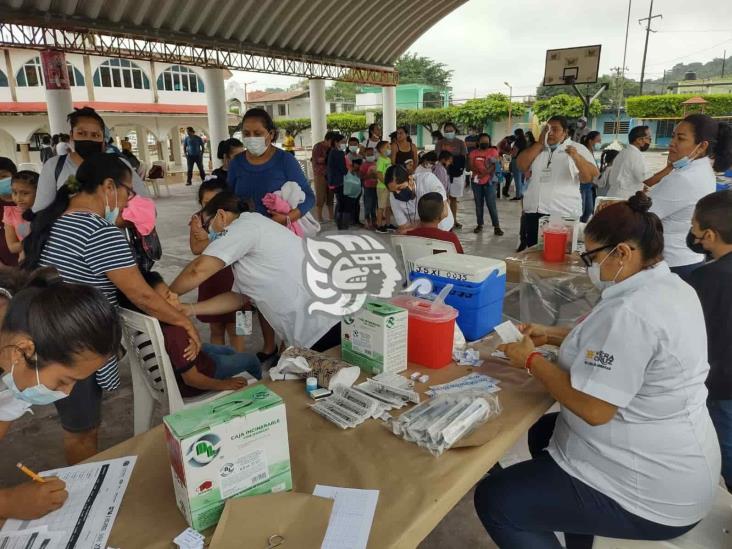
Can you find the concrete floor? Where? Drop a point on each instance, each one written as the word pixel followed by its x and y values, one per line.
pixel 36 440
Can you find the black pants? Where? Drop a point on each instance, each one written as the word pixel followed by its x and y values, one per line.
pixel 523 505
pixel 345 210
pixel 529 229
pixel 507 184
pixel 198 161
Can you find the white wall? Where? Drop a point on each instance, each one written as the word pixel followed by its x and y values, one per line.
pixel 369 101
pixel 122 95
pixel 18 58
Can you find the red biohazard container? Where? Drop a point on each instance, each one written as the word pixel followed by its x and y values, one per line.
pixel 555 244
pixel 430 331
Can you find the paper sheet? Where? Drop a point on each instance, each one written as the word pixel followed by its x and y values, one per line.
pixel 350 521
pixel 95 494
pixel 35 538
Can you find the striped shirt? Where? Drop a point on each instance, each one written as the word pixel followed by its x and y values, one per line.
pixel 84 247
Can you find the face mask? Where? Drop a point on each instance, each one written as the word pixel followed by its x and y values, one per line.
pixel 5 188
pixel 86 148
pixel 484 145
pixel 343 146
pixel 370 158
pixel 213 234
pixel 387 152
pixel 39 394
pixel 111 215
pixel 684 161
pixel 404 195
pixel 449 135
pixel 353 149
pixel 593 272
pixel 644 147
pixel 693 243
pixel 595 146
pixel 255 145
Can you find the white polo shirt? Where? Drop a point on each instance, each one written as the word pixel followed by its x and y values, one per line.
pixel 627 174
pixel 268 262
pixel 674 199
pixel 406 212
pixel 554 188
pixel 643 348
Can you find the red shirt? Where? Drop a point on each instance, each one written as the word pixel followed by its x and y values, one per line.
pixel 437 234
pixel 319 158
pixel 479 162
pixel 176 341
pixel 368 182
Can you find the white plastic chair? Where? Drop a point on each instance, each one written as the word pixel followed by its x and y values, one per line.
pixel 152 373
pixel 714 532
pixel 154 184
pixel 411 248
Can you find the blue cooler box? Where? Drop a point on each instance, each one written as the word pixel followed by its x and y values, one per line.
pixel 479 286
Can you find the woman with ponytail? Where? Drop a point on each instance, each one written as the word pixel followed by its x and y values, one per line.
pixel 77 235
pixel 632 453
pixel 699 146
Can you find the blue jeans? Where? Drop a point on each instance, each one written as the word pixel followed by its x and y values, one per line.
pixel 369 204
pixel 486 194
pixel 721 413
pixel 230 363
pixel 518 179
pixel 523 505
pixel 588 201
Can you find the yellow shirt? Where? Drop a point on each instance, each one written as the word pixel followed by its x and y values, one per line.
pixel 288 143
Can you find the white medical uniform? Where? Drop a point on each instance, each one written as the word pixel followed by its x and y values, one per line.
pixel 406 212
pixel 627 174
pixel 268 262
pixel 555 182
pixel 643 348
pixel 674 199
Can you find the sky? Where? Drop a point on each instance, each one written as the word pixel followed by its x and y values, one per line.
pixel 487 42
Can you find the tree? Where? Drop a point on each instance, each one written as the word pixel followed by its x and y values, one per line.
pixel 432 119
pixel 302 84
pixel 342 91
pixel 563 105
pixel 608 98
pixel 669 105
pixel 346 123
pixel 417 69
pixel 295 125
pixel 476 112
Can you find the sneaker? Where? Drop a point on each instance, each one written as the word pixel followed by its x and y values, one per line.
pixel 382 230
pixel 268 359
pixel 391 227
pixel 189 184
pixel 497 231
pixel 478 229
pixel 457 226
pixel 517 198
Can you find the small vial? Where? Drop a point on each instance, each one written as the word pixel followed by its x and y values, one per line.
pixel 415 376
pixel 311 384
pixel 424 378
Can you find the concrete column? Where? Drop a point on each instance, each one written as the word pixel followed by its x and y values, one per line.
pixel 58 92
pixel 388 123
pixel 142 144
pixel 24 152
pixel 177 150
pixel 89 78
pixel 164 150
pixel 216 104
pixel 318 124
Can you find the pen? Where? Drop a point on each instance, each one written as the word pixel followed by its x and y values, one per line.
pixel 31 474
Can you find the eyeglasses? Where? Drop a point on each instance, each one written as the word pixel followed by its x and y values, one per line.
pixel 586 257
pixel 130 192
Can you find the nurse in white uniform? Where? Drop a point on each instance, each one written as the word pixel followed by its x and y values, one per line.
pixel 632 453
pixel 699 146
pixel 405 192
pixel 51 338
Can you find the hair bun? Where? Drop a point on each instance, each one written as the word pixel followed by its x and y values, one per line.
pixel 640 202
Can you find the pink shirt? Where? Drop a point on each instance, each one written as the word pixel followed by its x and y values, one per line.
pixel 13 216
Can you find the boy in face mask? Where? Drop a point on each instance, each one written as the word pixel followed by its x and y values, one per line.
pixel 711 233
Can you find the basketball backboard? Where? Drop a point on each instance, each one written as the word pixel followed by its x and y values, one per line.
pixel 572 66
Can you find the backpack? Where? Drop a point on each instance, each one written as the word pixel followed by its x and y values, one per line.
pixel 146 249
pixel 156 172
pixel 351 185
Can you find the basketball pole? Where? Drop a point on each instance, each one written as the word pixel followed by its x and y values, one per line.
pixel 649 30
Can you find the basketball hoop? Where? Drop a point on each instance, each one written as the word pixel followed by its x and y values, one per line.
pixel 571 66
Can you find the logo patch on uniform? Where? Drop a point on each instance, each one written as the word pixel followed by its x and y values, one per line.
pixel 599 359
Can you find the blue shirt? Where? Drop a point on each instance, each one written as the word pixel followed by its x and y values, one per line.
pixel 253 181
pixel 193 145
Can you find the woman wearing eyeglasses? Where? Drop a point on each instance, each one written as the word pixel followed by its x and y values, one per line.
pixel 632 452
pixel 77 235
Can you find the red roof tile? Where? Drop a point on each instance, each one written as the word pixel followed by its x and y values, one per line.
pixel 106 106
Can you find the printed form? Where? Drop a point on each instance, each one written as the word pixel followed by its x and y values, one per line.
pixel 350 521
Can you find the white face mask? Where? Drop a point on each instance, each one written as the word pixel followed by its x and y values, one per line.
pixel 38 394
pixel 449 135
pixel 255 145
pixel 593 272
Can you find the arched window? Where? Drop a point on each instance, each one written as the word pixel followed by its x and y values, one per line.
pixel 31 74
pixel 121 73
pixel 3 80
pixel 179 78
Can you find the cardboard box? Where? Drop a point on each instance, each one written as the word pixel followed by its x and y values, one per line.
pixel 375 338
pixel 233 446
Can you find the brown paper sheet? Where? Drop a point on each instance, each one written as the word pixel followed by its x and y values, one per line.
pixel 301 519
pixel 416 489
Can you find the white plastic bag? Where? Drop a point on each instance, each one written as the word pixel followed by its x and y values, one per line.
pixel 310 227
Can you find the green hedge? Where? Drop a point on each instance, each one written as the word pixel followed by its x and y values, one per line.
pixel 654 106
pixel 564 105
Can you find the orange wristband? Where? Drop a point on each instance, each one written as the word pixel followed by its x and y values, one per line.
pixel 529 359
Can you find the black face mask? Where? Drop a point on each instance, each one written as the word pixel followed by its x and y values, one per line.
pixel 644 147
pixel 484 145
pixel 86 148
pixel 405 195
pixel 693 245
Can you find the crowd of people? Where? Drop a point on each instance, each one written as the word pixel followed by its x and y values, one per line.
pixel 643 381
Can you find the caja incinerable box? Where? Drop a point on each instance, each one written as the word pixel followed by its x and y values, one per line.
pixel 233 446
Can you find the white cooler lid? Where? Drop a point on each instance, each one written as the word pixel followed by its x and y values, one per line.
pixel 470 268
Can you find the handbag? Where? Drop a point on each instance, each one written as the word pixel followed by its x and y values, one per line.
pixel 146 249
pixel 310 227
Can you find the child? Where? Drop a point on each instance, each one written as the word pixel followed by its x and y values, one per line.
pixel 444 161
pixel 350 195
pixel 431 210
pixel 215 366
pixel 219 283
pixel 24 185
pixel 711 233
pixel 369 181
pixel 606 163
pixel 352 153
pixel 383 211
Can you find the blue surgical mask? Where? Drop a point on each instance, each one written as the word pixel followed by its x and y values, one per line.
pixel 449 135
pixel 684 161
pixel 109 214
pixel 353 148
pixel 213 234
pixel 5 188
pixel 39 394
